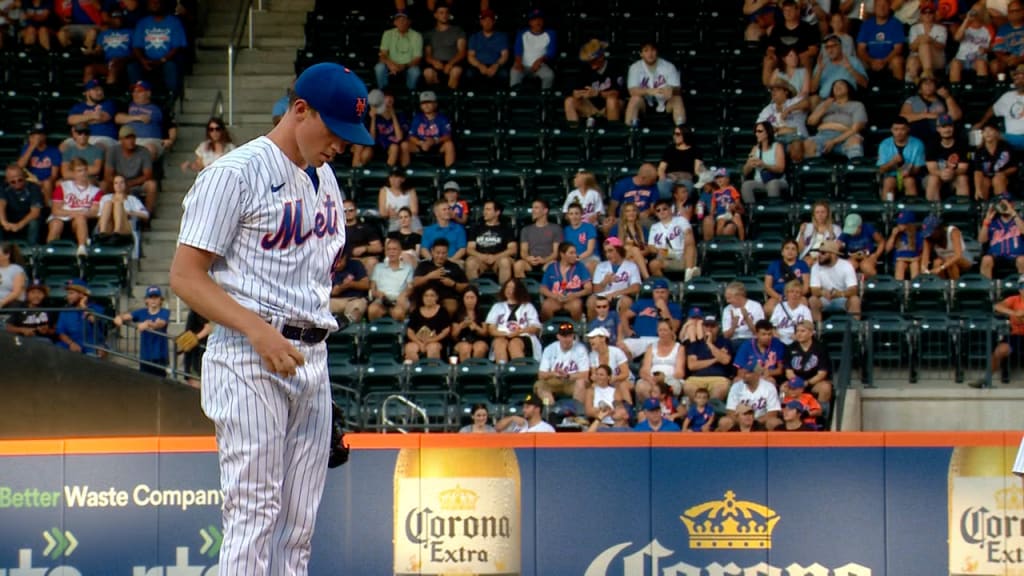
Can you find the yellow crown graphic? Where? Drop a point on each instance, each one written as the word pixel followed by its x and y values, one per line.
pixel 1010 498
pixel 459 498
pixel 730 523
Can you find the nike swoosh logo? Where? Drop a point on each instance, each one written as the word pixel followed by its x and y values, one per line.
pixel 276 189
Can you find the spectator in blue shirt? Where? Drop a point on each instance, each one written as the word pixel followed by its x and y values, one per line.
pixel 41 160
pixel 146 119
pixel 863 243
pixel 1008 47
pixel 835 64
pixel 763 352
pixel 535 47
pixel 98 113
pixel 151 322
pixel 565 285
pixel 157 42
pixel 900 160
pixel 114 45
pixel 880 41
pixel 655 422
pixel 430 131
pixel 78 329
pixel 640 189
pixel 445 228
pixel 488 54
pixel 1001 230
pixel 582 235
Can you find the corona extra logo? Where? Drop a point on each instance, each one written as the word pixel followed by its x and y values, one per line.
pixel 1010 498
pixel 730 523
pixel 459 498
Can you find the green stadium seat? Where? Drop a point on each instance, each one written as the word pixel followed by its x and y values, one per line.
pixel 469 179
pixel 611 144
pixel 815 180
pixel 105 260
pixel 883 294
pixel 476 381
pixel 476 146
pixel 724 258
pixel 516 379
pixel 566 148
pixel 506 186
pixel 550 183
pixel 702 291
pixel 936 339
pixel 754 286
pixel 345 344
pixel 59 257
pixel 927 293
pixel 887 345
pixel 974 293
pixel 771 219
pixel 520 146
pixel 384 336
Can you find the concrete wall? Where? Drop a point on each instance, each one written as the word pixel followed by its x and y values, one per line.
pixel 934 409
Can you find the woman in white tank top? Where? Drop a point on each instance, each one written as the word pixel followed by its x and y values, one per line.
pixel 945 252
pixel 394 196
pixel 665 356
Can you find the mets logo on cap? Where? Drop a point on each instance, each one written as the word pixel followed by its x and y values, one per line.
pixel 339 96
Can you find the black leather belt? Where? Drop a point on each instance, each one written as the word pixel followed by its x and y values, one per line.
pixel 309 334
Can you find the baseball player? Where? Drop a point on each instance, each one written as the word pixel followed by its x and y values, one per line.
pixel 259 235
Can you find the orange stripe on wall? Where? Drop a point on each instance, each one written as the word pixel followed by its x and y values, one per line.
pixel 200 444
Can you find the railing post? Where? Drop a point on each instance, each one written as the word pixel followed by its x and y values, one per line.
pixel 231 84
pixel 252 27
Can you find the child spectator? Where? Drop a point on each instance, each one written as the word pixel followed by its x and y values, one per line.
pixel 388 129
pixel 783 271
pixel 726 209
pixel 588 195
pixel 459 208
pixel 583 236
pixel 151 322
pixel 76 201
pixel 429 132
pixel 904 243
pixel 700 415
pixel 794 390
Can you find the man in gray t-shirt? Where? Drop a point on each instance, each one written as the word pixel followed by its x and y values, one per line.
pixel 839 121
pixel 538 242
pixel 79 147
pixel 444 50
pixel 134 164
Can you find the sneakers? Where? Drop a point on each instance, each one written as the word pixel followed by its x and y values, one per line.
pixel 979 383
pixel 82 251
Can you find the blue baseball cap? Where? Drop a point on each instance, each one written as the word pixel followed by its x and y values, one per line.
pixel 929 226
pixel 795 405
pixel 535 13
pixel 78 285
pixel 652 404
pixel 339 96
pixel 659 283
pixel 154 292
pixel 142 85
pixel 906 217
pixel 91 84
pixel 695 312
pixel 796 383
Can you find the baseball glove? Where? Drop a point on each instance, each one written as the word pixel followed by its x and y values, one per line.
pixel 186 341
pixel 339 452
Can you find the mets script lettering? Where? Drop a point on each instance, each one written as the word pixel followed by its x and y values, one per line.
pixel 291 230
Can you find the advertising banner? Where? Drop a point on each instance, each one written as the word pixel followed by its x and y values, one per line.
pixel 845 504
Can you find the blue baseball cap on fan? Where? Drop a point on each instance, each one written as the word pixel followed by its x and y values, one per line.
pixel 340 97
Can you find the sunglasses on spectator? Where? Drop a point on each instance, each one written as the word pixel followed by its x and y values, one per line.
pixel 759 130
pixel 213 129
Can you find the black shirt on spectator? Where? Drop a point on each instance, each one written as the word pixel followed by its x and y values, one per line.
pixel 491 239
pixel 443 292
pixel 358 235
pixel 408 241
pixel 802 37
pixel 21 202
pixel 807 364
pixel 677 160
pixel 936 152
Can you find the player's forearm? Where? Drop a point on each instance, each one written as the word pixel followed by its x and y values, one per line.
pixel 193 284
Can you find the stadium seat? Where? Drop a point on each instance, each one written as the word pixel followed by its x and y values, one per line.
pixel 704 110
pixel 520 146
pixel 960 212
pixel 566 148
pixel 516 379
pixel 26 72
pixel 815 180
pixel 489 291
pixel 771 220
pixel 477 111
pixel 549 183
pixel 974 293
pixel 936 339
pixel 112 261
pixel 505 186
pixel 384 336
pixel 609 144
pixel 927 293
pixel 882 294
pixel 478 147
pixel 366 183
pixel 522 109
pixel 980 332
pixel 754 286
pixel 21 111
pixel 833 334
pixel 469 179
pixel 702 291
pixel 649 145
pixel 59 258
pixel 887 346
pixel 476 381
pixel 346 343
pixel 724 258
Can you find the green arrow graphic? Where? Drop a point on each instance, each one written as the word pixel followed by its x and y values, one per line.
pixel 59 543
pixel 212 539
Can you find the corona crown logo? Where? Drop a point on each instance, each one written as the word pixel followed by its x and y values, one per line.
pixel 730 523
pixel 1010 498
pixel 459 498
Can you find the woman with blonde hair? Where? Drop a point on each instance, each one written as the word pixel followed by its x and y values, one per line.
pixel 821 228
pixel 588 195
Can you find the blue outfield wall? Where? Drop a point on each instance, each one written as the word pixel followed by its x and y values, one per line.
pixel 846 504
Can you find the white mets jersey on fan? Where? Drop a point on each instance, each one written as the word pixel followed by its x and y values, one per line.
pixel 255 201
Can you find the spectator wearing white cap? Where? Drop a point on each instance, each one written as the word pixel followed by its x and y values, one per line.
pixel 602 353
pixel 834 285
pixel 863 243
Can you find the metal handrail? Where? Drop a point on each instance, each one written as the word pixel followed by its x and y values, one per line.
pixel 844 378
pixel 103 348
pixel 245 16
pixel 388 422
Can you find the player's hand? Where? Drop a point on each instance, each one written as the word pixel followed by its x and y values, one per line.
pixel 279 356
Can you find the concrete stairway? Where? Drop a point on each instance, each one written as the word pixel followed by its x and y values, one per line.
pixel 261 77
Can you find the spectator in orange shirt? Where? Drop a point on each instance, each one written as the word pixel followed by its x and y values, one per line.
pixel 1013 307
pixel 794 389
pixel 726 217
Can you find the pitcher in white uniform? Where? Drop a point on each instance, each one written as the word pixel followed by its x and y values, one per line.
pixel 260 233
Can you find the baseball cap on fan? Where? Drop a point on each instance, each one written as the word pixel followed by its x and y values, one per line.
pixel 339 96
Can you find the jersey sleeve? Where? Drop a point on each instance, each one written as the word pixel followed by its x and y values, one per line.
pixel 213 209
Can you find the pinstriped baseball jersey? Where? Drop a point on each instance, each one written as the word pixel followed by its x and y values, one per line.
pixel 255 201
pixel 1018 464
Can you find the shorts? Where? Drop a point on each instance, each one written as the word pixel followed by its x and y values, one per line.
pixel 638 346
pixel 77 32
pixel 823 136
pixel 156 143
pixel 1016 344
pixel 557 386
pixel 707 382
pixel 834 305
